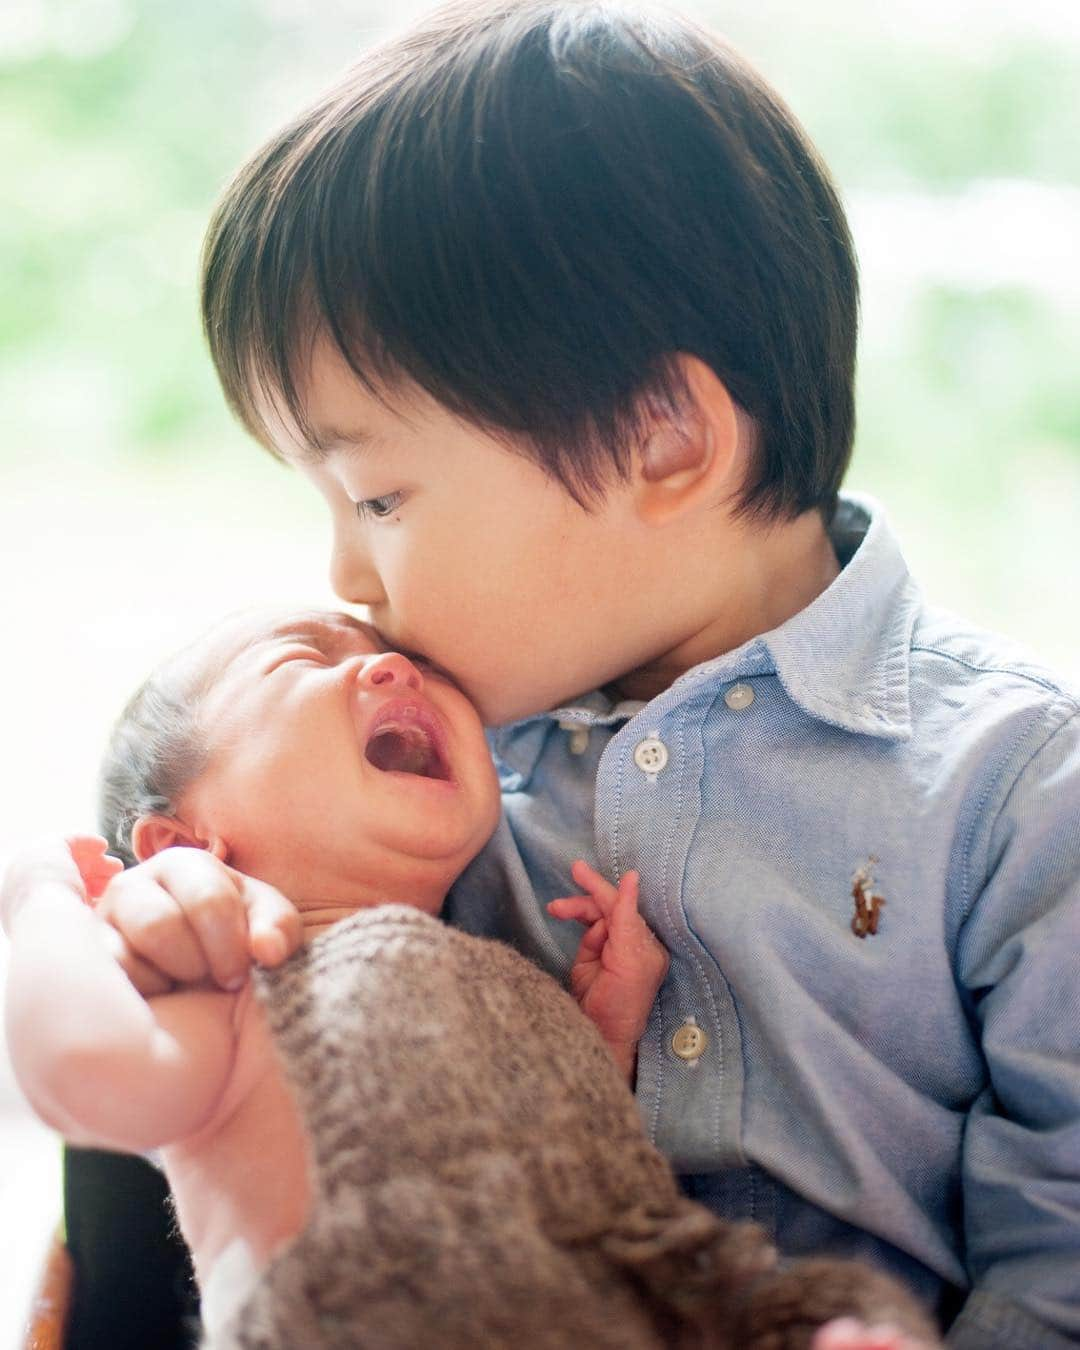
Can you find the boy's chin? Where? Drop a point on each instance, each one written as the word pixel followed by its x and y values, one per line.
pixel 501 711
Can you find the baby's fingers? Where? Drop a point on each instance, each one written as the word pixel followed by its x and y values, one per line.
pixel 626 921
pixel 579 908
pixel 589 879
pixel 152 927
pixel 633 943
pixel 274 925
pixel 146 978
pixel 182 911
pixel 625 905
pixel 218 918
pixel 593 941
pixel 96 866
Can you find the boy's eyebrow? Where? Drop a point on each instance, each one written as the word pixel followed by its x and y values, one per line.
pixel 324 441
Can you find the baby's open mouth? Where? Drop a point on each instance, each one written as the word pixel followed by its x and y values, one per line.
pixel 404 744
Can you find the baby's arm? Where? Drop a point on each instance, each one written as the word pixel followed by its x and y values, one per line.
pixel 96 1060
pixel 620 964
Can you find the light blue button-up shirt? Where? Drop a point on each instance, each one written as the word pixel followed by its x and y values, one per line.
pixel 910 1094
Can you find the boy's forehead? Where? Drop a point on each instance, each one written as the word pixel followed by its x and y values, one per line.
pixel 336 410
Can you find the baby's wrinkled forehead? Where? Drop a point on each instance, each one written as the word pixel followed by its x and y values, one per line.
pixel 331 632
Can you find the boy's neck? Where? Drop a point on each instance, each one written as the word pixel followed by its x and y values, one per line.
pixel 767 575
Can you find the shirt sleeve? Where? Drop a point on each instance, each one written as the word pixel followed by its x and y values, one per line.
pixel 1018 960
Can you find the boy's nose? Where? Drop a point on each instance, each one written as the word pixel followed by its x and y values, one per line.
pixel 388 669
pixel 351 573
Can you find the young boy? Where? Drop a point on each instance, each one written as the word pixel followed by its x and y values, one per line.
pixel 557 306
pixel 412 1133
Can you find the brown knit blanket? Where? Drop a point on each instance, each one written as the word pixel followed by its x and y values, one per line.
pixel 481 1174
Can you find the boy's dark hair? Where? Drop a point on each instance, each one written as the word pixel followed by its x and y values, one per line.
pixel 529 209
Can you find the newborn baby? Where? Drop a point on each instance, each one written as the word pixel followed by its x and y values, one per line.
pixel 403 1134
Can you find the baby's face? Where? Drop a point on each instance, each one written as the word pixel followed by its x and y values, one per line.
pixel 337 767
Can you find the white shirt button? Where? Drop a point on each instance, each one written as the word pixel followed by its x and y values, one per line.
pixel 739 696
pixel 689 1041
pixel 650 755
pixel 579 736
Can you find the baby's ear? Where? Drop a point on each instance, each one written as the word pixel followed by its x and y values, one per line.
pixel 151 834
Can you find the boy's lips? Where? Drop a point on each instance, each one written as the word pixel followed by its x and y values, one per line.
pixel 406 735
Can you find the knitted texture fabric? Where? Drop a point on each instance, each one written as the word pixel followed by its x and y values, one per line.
pixel 480 1173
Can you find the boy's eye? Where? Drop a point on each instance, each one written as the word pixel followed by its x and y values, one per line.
pixel 379 507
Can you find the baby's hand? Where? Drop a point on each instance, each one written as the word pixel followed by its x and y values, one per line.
pixel 97 867
pixel 620 964
pixel 184 916
pixel 847 1333
pixel 78 864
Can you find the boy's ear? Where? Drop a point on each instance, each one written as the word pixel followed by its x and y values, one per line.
pixel 699 459
pixel 150 834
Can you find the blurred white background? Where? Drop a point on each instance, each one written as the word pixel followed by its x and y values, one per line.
pixel 132 512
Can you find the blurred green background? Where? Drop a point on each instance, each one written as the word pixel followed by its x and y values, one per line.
pixel 133 509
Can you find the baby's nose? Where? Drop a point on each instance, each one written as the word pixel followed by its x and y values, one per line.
pixel 390 668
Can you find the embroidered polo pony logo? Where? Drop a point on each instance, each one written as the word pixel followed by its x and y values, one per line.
pixel 868 903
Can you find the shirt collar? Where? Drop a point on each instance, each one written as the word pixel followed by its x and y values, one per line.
pixel 846 658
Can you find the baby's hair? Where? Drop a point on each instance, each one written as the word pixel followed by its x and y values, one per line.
pixel 529 210
pixel 157 747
